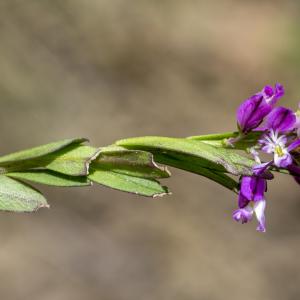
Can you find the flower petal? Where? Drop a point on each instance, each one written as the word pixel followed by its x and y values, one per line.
pixel 261 170
pixel 273 96
pixel 282 161
pixel 295 172
pixel 253 188
pixel 242 201
pixel 251 112
pixel 259 209
pixel 243 214
pixel 281 119
pixel 260 188
pixel 294 145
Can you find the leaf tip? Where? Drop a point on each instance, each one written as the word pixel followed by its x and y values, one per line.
pixel 42 205
pixel 162 194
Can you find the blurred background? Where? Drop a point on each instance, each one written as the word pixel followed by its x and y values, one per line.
pixel 110 69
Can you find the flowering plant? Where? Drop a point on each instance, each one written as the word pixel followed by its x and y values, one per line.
pixel 137 164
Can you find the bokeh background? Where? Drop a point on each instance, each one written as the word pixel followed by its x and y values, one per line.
pixel 110 69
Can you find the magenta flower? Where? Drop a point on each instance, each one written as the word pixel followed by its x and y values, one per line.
pixel 276 144
pixel 281 126
pixel 252 111
pixel 251 201
pixel 297 124
pixel 281 119
pixel 295 172
pixel 273 95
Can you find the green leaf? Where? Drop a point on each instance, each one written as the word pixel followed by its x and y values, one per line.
pixel 51 178
pixel 209 157
pixel 130 162
pixel 18 197
pixel 140 186
pixel 192 164
pixel 72 160
pixel 221 139
pixel 131 171
pixel 38 151
pixel 215 136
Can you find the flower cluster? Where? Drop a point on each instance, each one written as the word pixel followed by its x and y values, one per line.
pixel 280 137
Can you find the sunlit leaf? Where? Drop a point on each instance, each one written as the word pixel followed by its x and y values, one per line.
pixel 39 151
pixel 209 157
pixel 73 160
pixel 51 178
pixel 126 183
pixel 222 139
pixel 192 164
pixel 130 162
pixel 19 197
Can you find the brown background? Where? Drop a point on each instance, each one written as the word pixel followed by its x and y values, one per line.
pixel 110 69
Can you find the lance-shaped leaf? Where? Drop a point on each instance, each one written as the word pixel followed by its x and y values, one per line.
pixel 128 170
pixel 51 178
pixel 192 164
pixel 130 162
pixel 209 157
pixel 231 140
pixel 38 152
pixel 18 197
pixel 72 160
pixel 137 185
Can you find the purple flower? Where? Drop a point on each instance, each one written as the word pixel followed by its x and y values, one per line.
pixel 297 124
pixel 281 119
pixel 251 201
pixel 295 172
pixel 262 170
pixel 252 188
pixel 273 95
pixel 252 111
pixel 281 126
pixel 243 215
pixel 277 145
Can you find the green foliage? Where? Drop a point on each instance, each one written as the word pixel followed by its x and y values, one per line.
pixel 193 165
pixel 49 177
pixel 19 197
pixel 73 160
pixel 130 165
pixel 129 170
pixel 38 152
pixel 207 156
pixel 223 139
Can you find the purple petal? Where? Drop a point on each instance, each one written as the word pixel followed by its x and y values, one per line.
pixel 259 209
pixel 253 188
pixel 251 112
pixel 283 161
pixel 242 201
pixel 281 119
pixel 297 179
pixel 272 96
pixel 294 145
pixel 243 214
pixel 262 170
pixel 268 148
pixel 295 172
pixel 297 125
pixel 260 188
pixel 279 90
pixel 268 91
